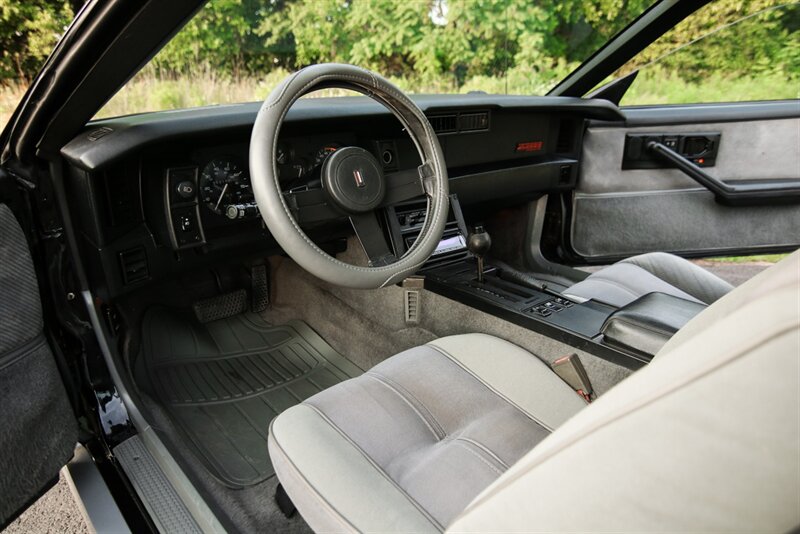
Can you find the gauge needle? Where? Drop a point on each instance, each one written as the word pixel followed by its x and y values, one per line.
pixel 216 206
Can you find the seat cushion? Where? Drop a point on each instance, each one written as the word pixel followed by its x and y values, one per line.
pixel 410 443
pixel 655 272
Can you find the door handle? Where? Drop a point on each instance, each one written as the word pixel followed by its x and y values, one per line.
pixel 752 193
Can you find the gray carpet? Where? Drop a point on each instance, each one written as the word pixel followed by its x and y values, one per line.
pixel 369 326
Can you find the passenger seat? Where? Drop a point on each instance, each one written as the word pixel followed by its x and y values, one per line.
pixel 627 280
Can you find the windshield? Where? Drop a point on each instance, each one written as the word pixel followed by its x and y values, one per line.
pixel 237 50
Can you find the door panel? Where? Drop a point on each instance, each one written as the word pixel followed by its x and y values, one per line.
pixel 38 431
pixel 619 212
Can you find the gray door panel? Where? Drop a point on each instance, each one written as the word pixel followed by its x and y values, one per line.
pixel 618 213
pixel 38 431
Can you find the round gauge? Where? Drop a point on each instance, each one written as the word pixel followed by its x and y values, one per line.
pixel 324 152
pixel 222 183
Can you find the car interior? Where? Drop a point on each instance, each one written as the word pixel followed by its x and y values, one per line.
pixel 364 313
pixel 220 331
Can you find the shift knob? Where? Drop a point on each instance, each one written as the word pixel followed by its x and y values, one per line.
pixel 479 243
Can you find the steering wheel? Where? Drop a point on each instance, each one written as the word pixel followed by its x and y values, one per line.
pixel 354 185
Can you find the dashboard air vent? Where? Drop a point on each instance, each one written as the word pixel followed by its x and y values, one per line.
pixel 444 123
pixel 134 265
pixel 473 122
pixel 565 142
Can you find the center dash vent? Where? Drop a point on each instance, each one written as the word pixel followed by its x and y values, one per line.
pixel 449 123
pixel 444 123
pixel 134 265
pixel 473 122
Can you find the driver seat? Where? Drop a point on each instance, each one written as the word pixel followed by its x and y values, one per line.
pixel 471 433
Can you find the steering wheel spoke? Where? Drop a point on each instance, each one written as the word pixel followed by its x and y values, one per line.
pixel 370 235
pixel 403 185
pixel 310 206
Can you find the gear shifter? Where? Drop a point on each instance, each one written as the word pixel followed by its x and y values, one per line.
pixel 479 243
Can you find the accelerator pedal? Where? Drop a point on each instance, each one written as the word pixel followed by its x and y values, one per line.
pixel 259 288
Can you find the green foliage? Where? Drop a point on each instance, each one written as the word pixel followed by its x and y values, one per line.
pixel 28 32
pixel 222 37
pixel 445 42
pixel 659 85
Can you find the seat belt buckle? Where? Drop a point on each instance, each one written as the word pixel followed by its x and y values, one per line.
pixel 570 369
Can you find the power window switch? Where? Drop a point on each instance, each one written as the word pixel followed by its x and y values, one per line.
pixel 541 310
pixel 671 142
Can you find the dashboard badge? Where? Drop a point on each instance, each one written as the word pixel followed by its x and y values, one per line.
pixel 359 178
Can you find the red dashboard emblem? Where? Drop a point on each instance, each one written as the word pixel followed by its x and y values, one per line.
pixel 530 146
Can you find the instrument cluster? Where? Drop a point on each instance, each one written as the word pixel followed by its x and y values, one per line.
pixel 225 187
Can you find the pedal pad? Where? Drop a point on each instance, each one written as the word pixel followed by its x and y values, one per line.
pixel 259 289
pixel 221 307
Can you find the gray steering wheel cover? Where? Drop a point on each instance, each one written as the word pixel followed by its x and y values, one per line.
pixel 275 211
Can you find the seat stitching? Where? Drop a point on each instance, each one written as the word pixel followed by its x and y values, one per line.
pixel 377 467
pixel 396 388
pixel 478 456
pixel 492 389
pixel 484 448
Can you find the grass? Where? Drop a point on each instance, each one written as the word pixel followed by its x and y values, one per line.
pixel 653 87
pixel 758 258
pixel 150 92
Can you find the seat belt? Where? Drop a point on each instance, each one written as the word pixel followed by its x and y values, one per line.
pixel 570 369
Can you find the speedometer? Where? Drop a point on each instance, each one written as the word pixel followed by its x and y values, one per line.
pixel 222 183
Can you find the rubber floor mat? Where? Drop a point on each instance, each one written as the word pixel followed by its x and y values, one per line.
pixel 223 382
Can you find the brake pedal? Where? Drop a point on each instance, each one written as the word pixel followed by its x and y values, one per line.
pixel 221 307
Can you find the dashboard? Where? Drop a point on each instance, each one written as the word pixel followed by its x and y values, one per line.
pixel 162 193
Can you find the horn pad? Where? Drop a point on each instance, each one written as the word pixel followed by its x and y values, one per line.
pixel 354 180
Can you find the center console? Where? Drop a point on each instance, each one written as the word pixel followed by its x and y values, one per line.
pixel 405 224
pixel 458 270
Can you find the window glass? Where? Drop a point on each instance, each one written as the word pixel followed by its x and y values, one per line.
pixel 727 51
pixel 238 50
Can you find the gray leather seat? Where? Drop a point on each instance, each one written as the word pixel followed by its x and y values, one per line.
pixel 629 279
pixel 411 442
pixel 703 438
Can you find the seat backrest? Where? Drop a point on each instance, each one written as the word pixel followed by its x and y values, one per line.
pixel 706 437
